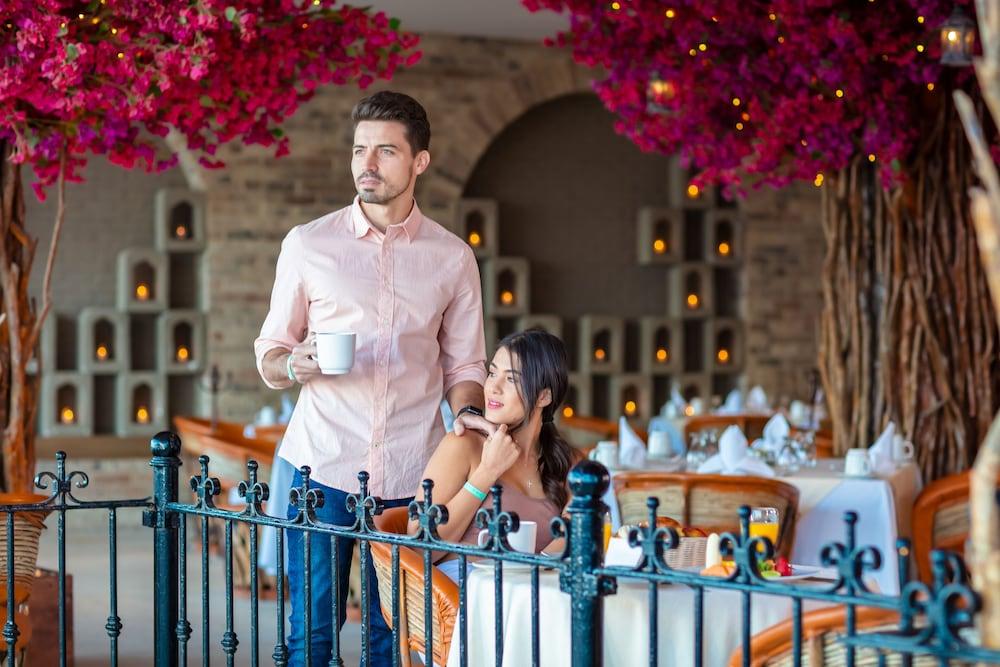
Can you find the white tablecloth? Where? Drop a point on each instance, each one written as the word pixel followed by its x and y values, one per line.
pixel 883 505
pixel 626 622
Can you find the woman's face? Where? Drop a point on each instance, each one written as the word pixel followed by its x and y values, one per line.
pixel 503 403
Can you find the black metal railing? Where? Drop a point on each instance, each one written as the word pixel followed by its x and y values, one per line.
pixel 935 621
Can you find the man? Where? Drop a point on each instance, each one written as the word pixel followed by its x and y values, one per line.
pixel 410 291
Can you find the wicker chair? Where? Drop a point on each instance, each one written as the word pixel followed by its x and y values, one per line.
pixel 752 425
pixel 820 648
pixel 444 593
pixel 940 520
pixel 710 502
pixel 28 527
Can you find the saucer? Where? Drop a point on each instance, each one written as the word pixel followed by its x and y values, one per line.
pixel 507 566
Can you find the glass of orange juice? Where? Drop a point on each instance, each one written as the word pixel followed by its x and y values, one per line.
pixel 764 523
pixel 607 532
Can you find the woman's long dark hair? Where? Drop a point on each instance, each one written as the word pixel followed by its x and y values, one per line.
pixel 542 364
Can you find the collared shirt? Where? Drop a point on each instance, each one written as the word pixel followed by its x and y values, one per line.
pixel 412 295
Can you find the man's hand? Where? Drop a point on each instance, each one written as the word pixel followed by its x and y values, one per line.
pixel 474 423
pixel 304 363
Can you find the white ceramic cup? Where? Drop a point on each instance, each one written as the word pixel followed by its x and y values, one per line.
pixel 335 352
pixel 606 453
pixel 522 540
pixel 902 450
pixel 659 444
pixel 798 413
pixel 856 464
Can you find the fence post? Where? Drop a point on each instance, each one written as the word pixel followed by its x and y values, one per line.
pixel 165 447
pixel 588 481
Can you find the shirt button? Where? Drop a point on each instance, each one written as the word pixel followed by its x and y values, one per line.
pixel 376 445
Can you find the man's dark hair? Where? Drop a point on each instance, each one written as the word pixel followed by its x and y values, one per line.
pixel 387 105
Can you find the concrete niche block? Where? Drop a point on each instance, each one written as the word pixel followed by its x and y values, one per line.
pixel 66 404
pixel 660 235
pixel 631 396
pixel 601 344
pixel 661 340
pixel 723 236
pixel 143 280
pixel 696 385
pixel 691 290
pixel 724 346
pixel 103 341
pixel 141 401
pixel 683 193
pixel 579 396
pixel 506 287
pixel 478 225
pixel 550 323
pixel 180 220
pixel 181 336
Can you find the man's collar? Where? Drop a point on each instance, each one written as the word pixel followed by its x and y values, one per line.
pixel 411 225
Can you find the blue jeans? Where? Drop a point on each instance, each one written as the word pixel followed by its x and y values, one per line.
pixel 334 511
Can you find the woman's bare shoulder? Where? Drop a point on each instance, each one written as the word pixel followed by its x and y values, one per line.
pixel 469 443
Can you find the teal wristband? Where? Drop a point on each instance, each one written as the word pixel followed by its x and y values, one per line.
pixel 480 496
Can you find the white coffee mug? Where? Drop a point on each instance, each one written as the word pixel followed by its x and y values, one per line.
pixel 798 413
pixel 335 352
pixel 606 453
pixel 659 444
pixel 856 464
pixel 902 450
pixel 522 540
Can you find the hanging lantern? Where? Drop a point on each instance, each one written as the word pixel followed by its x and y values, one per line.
pixel 958 34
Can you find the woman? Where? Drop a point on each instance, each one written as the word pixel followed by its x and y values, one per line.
pixel 525 384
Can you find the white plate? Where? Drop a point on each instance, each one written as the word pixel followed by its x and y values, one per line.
pixel 798 572
pixel 507 566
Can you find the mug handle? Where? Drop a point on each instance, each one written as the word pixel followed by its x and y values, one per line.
pixel 593 454
pixel 908 450
pixel 480 542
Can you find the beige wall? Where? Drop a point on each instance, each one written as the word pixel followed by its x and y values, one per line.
pixel 472 89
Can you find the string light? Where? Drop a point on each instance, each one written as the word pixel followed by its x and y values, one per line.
pixel 703 46
pixel 616 6
pixel 745 116
pixel 120 55
pixel 930 86
pixel 772 16
pixel 781 39
pixel 670 13
pixel 839 93
pixel 739 126
pixel 818 181
pixel 920 19
pixel 114 31
pixel 920 48
pixel 736 101
pixel 871 157
pixel 803 142
pixel 692 52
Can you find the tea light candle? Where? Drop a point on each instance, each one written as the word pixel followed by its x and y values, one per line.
pixel 600 354
pixel 662 355
pixel 142 415
pixel 724 249
pixel 693 191
pixel 568 411
pixel 183 354
pixel 475 240
pixel 101 352
pixel 67 416
pixel 659 246
pixel 142 292
pixel 181 232
pixel 630 408
pixel 722 355
pixel 692 301
pixel 688 411
pixel 506 297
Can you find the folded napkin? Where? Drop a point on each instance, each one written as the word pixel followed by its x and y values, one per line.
pixel 671 411
pixel 757 400
pixel 631 448
pixel 677 399
pixel 734 457
pixel 776 431
pixel 798 414
pixel 733 405
pixel 880 453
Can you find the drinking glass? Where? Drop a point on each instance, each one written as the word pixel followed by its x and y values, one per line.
pixel 764 523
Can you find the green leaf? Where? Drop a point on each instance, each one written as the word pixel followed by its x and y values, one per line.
pixel 394 23
pixel 277 132
pixel 896 166
pixel 182 19
pixel 231 13
pixel 72 53
pixel 206 101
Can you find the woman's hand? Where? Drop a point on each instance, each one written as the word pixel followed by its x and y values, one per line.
pixel 500 452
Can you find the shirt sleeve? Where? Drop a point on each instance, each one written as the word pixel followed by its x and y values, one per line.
pixel 287 321
pixel 461 338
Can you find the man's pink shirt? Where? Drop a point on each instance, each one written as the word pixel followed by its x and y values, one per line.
pixel 412 295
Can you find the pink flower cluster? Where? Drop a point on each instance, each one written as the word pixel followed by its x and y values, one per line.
pixel 109 76
pixel 764 91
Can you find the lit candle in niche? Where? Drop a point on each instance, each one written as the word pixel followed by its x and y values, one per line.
pixel 67 416
pixel 142 415
pixel 630 408
pixel 101 352
pixel 568 411
pixel 475 240
pixel 142 292
pixel 180 231
pixel 183 354
pixel 688 411
pixel 662 355
pixel 693 191
pixel 724 249
pixel 722 355
pixel 659 246
pixel 600 354
pixel 506 297
pixel 692 301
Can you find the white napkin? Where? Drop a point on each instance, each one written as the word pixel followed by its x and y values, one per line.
pixel 880 453
pixel 757 400
pixel 677 399
pixel 631 448
pixel 675 434
pixel 798 414
pixel 733 404
pixel 620 553
pixel 775 431
pixel 670 410
pixel 734 457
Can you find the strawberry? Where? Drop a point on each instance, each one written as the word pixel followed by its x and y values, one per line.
pixel 783 567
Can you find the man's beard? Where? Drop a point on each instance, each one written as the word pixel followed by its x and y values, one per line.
pixel 372 197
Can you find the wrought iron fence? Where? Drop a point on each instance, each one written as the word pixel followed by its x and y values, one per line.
pixel 935 622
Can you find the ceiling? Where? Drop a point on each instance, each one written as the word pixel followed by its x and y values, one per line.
pixel 503 19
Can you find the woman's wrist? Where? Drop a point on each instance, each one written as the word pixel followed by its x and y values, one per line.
pixel 482 478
